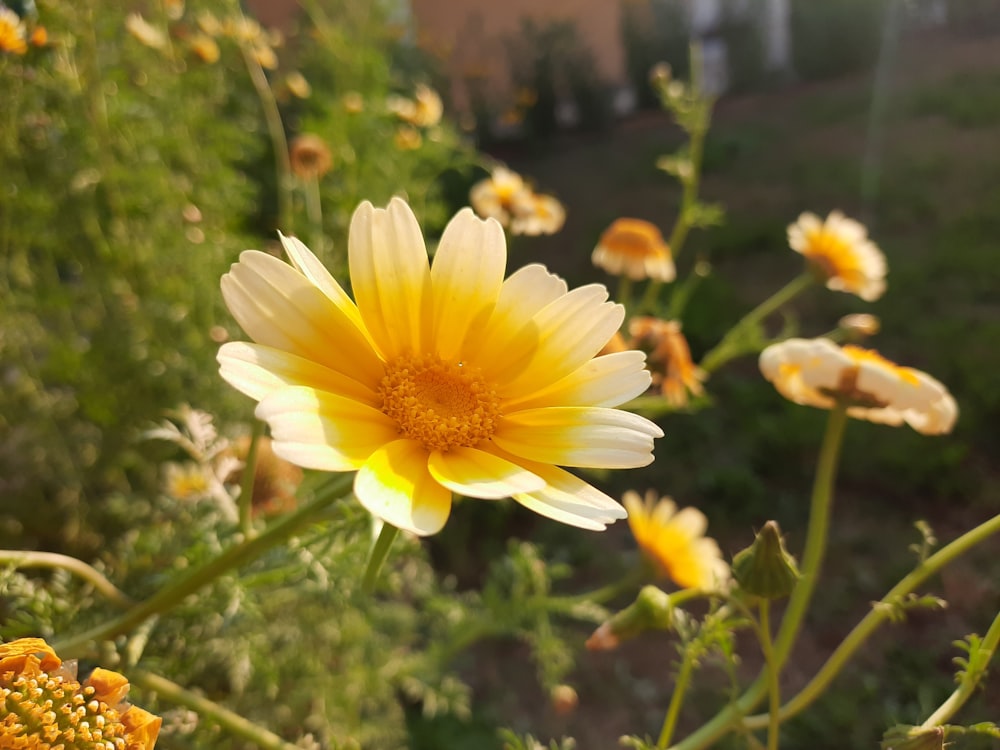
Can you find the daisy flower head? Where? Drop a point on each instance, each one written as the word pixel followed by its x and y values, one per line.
pixel 501 196
pixel 634 248
pixel 12 33
pixel 818 372
pixel 541 214
pixel 674 540
pixel 840 251
pixel 47 707
pixel 437 380
pixel 309 156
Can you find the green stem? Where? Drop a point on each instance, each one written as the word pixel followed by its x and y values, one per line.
pixel 246 483
pixel 25 559
pixel 799 601
pixel 314 212
pixel 605 593
pixel 379 554
pixel 624 296
pixel 676 701
pixel 228 720
pixel 276 132
pixel 970 679
pixel 193 580
pixel 816 536
pixel 863 630
pixel 729 346
pixel 773 675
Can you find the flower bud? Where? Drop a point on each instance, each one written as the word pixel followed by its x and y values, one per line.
pixel 859 326
pixel 651 610
pixel 564 699
pixel 765 568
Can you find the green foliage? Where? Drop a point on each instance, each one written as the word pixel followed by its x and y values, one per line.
pixel 967 100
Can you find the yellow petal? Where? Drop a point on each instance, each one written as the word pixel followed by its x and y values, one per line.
pixel 592 437
pixel 279 307
pixel 390 276
pixel 477 473
pixel 609 380
pixel 14 654
pixel 569 499
pixel 321 430
pixel 523 294
pixel 570 331
pixel 395 485
pixel 110 687
pixel 258 370
pixel 309 266
pixel 466 278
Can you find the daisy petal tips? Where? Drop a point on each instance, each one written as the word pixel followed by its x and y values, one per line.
pixel 437 380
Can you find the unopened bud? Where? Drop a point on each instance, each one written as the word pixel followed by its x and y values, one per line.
pixel 651 610
pixel 765 568
pixel 659 74
pixel 913 738
pixel 564 699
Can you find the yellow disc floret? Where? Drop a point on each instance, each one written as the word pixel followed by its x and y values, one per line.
pixel 440 404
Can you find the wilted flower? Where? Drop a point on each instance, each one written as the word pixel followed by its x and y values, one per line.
pixel 839 250
pixel 819 373
pixel 541 214
pixel 204 47
pixel 309 156
pixel 674 372
pixel 144 31
pixel 47 707
pixel 298 85
pixel 407 138
pixel 674 540
pixel 12 32
pixel 500 196
pixel 636 249
pixel 437 380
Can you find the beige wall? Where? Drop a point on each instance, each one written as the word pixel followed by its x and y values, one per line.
pixel 469 35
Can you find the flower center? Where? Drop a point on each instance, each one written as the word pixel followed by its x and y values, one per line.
pixel 835 258
pixel 440 404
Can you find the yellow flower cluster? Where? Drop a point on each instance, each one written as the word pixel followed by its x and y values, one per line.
pixel 43 706
pixel 506 197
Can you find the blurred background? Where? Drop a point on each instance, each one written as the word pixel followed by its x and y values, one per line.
pixel 138 160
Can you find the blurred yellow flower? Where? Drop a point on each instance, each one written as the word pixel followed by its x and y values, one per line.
pixel 309 156
pixel 264 54
pixel 46 707
pixel 208 23
pixel 817 372
pixel 501 196
pixel 187 481
pixel 839 250
pixel 145 32
pixel 636 249
pixel 674 541
pixel 353 102
pixel 541 214
pixel 39 36
pixel 428 107
pixel 204 47
pixel 12 32
pixel 674 372
pixel 174 9
pixel 437 380
pixel 298 85
pixel 407 138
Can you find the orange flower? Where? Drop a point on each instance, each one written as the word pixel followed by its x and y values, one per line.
pixel 669 358
pixel 310 158
pixel 636 249
pixel 46 707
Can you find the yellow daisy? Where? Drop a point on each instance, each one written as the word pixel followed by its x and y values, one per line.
pixel 817 372
pixel 636 249
pixel 46 707
pixel 437 380
pixel 542 214
pixel 12 33
pixel 501 196
pixel 841 252
pixel 674 541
